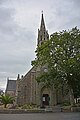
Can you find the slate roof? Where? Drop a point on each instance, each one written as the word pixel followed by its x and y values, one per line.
pixel 11 85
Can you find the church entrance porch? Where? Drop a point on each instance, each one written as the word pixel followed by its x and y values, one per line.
pixel 45 100
pixel 45 97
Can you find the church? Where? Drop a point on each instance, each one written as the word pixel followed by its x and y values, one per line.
pixel 28 91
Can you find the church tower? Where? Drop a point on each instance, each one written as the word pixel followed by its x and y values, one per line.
pixel 42 32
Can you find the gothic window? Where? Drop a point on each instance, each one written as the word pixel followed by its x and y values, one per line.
pixel 41 37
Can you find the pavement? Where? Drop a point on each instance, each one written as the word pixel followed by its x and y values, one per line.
pixel 41 116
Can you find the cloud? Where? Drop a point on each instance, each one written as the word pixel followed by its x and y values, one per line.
pixel 65 15
pixel 16 48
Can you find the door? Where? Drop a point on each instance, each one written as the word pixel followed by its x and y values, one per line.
pixel 45 99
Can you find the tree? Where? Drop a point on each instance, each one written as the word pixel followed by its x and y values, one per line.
pixel 61 55
pixel 6 99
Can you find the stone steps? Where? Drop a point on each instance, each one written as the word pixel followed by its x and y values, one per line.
pixel 54 109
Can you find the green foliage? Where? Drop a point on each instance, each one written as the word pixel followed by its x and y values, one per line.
pixel 66 103
pixel 61 55
pixel 6 99
pixel 29 106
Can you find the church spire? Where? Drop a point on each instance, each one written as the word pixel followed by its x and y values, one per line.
pixel 42 32
pixel 42 21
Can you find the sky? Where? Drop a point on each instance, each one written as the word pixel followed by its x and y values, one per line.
pixel 19 23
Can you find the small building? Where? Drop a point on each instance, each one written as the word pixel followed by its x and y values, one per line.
pixel 11 88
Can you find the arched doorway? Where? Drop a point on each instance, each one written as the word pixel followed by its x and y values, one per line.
pixel 45 99
pixel 45 96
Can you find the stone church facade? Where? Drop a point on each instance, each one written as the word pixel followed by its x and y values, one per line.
pixel 28 91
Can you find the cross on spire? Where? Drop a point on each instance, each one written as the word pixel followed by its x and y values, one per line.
pixel 42 11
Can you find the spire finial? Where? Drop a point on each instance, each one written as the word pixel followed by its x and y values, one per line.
pixel 42 11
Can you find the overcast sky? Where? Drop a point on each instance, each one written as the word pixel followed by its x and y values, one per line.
pixel 19 22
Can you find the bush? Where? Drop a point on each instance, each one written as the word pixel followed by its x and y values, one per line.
pixel 66 103
pixel 29 106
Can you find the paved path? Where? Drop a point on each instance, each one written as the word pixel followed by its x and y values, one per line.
pixel 41 116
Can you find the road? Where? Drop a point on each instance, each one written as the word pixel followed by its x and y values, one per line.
pixel 41 116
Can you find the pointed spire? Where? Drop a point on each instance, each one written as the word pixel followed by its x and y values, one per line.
pixel 42 21
pixel 42 32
